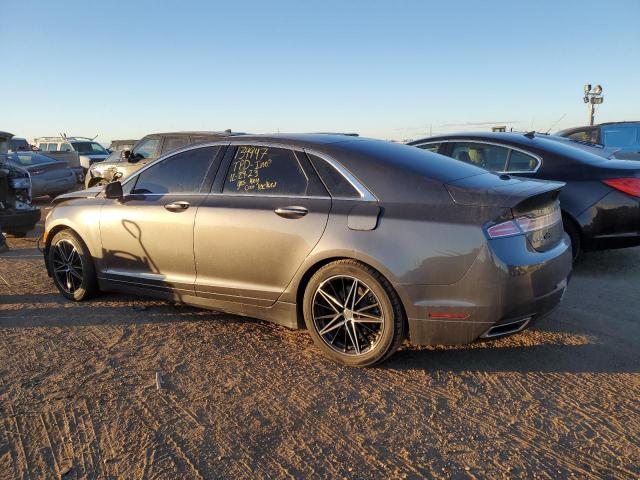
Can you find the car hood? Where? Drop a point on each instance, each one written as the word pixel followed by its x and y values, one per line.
pixel 87 193
pixel 493 190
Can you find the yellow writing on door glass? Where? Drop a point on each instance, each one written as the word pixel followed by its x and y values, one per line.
pixel 250 169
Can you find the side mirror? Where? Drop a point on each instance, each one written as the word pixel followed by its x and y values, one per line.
pixel 113 190
pixel 125 154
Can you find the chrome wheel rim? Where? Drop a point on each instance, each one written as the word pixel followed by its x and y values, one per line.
pixel 347 315
pixel 67 266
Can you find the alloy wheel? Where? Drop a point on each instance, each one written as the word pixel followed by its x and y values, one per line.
pixel 347 315
pixel 67 266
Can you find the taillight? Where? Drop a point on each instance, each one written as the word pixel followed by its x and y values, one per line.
pixel 630 186
pixel 524 225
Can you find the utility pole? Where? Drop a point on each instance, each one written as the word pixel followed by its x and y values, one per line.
pixel 592 97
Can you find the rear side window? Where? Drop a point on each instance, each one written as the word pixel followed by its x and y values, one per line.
pixel 180 173
pixel 171 143
pixel 489 157
pixel 265 171
pixel 521 162
pixel 335 182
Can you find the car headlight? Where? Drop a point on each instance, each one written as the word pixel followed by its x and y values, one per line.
pixel 20 183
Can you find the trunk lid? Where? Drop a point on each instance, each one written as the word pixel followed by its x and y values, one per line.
pixel 493 190
pixel 533 204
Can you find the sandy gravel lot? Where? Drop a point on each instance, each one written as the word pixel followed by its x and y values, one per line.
pixel 246 399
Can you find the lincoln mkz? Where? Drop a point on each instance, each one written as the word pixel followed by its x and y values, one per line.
pixel 364 242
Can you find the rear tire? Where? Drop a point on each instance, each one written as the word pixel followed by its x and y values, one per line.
pixel 353 314
pixel 574 236
pixel 71 266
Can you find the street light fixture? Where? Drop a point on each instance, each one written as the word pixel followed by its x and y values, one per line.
pixel 592 97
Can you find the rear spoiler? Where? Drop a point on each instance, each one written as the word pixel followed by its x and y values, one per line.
pixel 493 190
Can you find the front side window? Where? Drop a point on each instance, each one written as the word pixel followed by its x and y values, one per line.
pixel 430 147
pixel 147 148
pixel 521 162
pixel 621 136
pixel 171 143
pixel 49 147
pixel 66 147
pixel 89 148
pixel 180 173
pixel 588 135
pixel 489 157
pixel 265 171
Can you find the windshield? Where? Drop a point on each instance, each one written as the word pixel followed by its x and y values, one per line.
pixel 89 148
pixel 26 159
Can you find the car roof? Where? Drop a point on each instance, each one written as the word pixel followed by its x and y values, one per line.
pixel 6 134
pixel 194 133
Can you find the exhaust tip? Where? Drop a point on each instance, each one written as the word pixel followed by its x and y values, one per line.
pixel 507 328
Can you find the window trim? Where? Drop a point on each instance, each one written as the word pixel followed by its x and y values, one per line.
pixel 495 144
pixel 206 182
pixel 365 194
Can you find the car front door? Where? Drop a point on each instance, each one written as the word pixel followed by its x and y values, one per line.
pixel 147 237
pixel 266 212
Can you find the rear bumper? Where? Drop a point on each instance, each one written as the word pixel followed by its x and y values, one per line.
pixel 509 283
pixel 19 221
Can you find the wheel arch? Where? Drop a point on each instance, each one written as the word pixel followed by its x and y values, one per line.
pixel 312 269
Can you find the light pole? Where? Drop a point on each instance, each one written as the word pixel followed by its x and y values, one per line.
pixel 592 97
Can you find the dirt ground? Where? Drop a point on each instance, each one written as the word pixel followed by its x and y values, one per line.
pixel 242 398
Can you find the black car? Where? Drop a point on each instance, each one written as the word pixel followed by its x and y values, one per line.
pixel 601 200
pixel 624 137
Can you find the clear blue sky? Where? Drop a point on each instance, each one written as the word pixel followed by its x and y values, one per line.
pixel 385 69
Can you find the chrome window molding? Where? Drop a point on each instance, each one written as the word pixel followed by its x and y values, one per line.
pixel 365 194
pixel 538 158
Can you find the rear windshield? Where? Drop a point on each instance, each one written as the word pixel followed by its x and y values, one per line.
pixel 29 159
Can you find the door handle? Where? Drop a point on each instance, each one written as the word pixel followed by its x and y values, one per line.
pixel 291 212
pixel 177 206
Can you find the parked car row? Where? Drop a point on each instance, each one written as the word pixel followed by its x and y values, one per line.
pixel 450 239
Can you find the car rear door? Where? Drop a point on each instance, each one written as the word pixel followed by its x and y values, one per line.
pixel 266 212
pixel 147 237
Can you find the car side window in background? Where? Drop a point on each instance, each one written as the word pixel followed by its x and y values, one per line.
pixel 147 148
pixel 265 171
pixel 489 157
pixel 621 135
pixel 180 173
pixel 52 147
pixel 66 147
pixel 338 186
pixel 588 135
pixel 521 162
pixel 171 143
pixel 430 147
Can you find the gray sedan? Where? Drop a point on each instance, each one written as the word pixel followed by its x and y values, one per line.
pixel 364 242
pixel 48 175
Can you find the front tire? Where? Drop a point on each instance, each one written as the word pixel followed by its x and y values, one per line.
pixel 353 314
pixel 71 266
